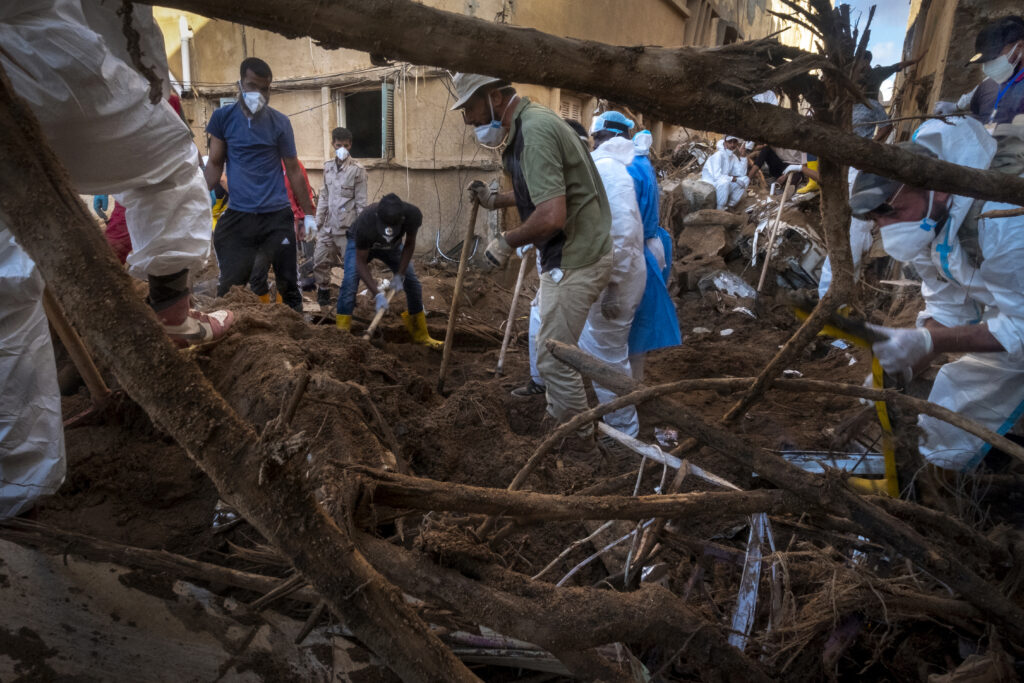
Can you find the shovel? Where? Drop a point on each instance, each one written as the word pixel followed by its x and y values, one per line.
pixel 378 317
pixel 449 334
pixel 772 232
pixel 500 369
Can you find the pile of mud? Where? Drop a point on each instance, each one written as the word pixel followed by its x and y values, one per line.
pixel 368 400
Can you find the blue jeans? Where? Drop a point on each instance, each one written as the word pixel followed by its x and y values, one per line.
pixel 392 258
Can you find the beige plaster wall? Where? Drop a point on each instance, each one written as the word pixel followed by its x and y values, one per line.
pixel 435 153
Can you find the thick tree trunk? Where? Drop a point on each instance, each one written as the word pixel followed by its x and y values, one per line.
pixel 124 333
pixel 706 89
pixel 560 619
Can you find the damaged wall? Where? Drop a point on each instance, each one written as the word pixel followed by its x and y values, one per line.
pixel 420 150
pixel 941 33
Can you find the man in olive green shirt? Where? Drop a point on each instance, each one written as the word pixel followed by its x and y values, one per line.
pixel 564 212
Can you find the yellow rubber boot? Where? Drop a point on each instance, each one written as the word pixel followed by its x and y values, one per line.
pixel 417 326
pixel 811 185
pixel 343 322
pixel 265 298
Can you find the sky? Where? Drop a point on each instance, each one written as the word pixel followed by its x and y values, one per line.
pixel 888 28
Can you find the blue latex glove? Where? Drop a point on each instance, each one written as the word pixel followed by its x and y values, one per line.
pixel 398 283
pixel 99 205
pixel 381 301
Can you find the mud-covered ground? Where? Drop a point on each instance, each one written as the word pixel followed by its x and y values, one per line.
pixel 129 483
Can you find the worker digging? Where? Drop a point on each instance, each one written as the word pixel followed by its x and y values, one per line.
pixel 683 347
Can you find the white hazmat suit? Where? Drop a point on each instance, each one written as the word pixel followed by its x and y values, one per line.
pixel 608 338
pixel 62 58
pixel 728 173
pixel 962 289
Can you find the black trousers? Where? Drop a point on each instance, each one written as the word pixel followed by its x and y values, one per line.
pixel 241 238
pixel 768 156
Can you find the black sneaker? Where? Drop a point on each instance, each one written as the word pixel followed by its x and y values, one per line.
pixel 531 389
pixel 323 297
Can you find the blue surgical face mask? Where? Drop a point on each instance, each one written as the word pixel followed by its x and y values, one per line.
pixel 491 135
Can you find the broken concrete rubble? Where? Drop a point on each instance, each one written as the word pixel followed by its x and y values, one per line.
pixel 681 197
pixel 700 250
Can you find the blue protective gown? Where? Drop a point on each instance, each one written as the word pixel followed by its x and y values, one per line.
pixel 655 324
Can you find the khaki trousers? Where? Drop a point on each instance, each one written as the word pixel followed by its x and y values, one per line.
pixel 564 305
pixel 329 252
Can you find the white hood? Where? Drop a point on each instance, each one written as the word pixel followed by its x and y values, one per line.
pixel 619 149
pixel 962 141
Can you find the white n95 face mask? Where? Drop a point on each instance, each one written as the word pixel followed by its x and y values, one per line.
pixel 1002 67
pixel 341 153
pixel 907 240
pixel 254 101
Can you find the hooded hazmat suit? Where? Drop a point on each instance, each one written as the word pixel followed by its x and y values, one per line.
pixel 62 58
pixel 967 279
pixel 722 171
pixel 655 324
pixel 608 338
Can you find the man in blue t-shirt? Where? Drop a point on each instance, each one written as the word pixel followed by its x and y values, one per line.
pixel 254 139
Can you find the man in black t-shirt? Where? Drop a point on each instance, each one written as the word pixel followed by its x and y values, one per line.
pixel 378 233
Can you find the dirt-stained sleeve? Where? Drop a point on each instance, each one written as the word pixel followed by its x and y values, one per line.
pixel 360 190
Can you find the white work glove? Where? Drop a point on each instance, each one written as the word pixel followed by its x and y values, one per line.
pixel 902 350
pixel 309 226
pixel 480 193
pixel 380 301
pixel 397 283
pixel 498 251
pixel 523 250
pixel 793 168
pixel 610 306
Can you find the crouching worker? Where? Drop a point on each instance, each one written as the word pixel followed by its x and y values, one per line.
pixel 728 173
pixel 378 233
pixel 973 287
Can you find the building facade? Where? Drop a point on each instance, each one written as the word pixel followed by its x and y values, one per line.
pixel 941 33
pixel 405 135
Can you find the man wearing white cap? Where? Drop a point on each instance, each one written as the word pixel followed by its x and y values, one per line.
pixel 721 170
pixel 565 214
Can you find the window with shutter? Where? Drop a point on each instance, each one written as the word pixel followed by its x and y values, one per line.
pixel 370 116
pixel 571 108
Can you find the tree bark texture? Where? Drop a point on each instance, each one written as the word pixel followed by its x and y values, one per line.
pixel 829 494
pixel 702 88
pixel 560 619
pixel 123 332
pixel 398 491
